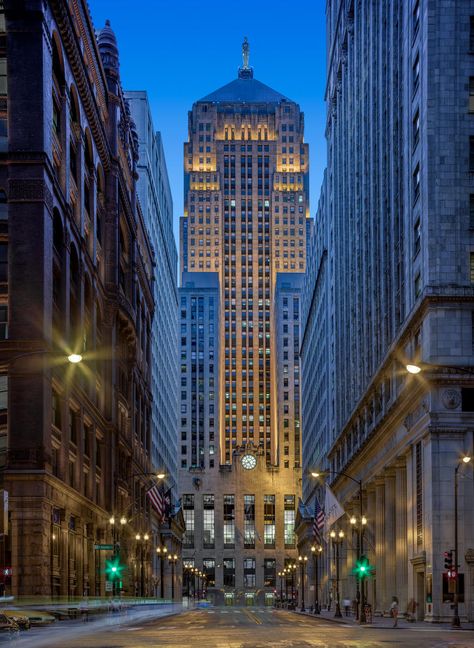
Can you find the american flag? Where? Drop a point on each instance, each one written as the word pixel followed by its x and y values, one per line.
pixel 157 500
pixel 318 522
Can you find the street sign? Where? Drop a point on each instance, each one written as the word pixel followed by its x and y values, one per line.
pixel 109 586
pixel 103 547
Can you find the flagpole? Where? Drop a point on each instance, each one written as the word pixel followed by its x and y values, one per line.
pixel 360 578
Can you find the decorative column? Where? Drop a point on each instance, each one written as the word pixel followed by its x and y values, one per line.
pixel 401 546
pixel 369 541
pixel 390 579
pixel 380 544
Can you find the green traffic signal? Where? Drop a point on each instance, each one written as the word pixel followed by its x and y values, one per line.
pixel 113 568
pixel 362 567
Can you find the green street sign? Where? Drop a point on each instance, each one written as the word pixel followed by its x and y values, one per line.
pixel 104 547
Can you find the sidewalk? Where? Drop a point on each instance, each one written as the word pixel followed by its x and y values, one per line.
pixel 380 622
pixel 56 633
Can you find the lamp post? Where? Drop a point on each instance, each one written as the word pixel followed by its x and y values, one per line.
pixel 162 550
pixel 293 570
pixel 316 551
pixel 363 519
pixel 194 573
pixel 359 525
pixel 456 622
pixel 281 574
pixel 337 539
pixel 141 542
pixel 302 561
pixel 173 559
pixel 116 535
pixel 286 571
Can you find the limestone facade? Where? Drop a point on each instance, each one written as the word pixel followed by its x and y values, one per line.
pixel 396 228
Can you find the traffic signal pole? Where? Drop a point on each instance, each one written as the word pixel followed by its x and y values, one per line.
pixel 456 622
pixel 361 597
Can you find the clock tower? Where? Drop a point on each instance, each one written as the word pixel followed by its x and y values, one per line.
pixel 243 232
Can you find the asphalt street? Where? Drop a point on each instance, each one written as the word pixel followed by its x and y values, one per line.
pixel 244 628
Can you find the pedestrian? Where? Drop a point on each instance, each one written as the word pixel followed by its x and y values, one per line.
pixel 347 607
pixel 411 609
pixel 394 611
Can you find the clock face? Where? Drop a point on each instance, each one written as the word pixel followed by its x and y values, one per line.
pixel 248 462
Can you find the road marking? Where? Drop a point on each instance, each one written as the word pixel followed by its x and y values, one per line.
pixel 133 629
pixel 254 617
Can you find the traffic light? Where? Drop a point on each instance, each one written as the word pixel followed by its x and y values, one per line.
pixel 363 568
pixel 448 560
pixel 113 569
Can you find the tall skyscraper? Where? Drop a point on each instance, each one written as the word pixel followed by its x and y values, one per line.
pixel 395 263
pixel 157 206
pixel 246 206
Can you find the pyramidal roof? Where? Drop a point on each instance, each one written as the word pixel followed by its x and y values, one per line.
pixel 245 89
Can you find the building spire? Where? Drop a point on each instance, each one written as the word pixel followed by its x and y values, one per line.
pixel 245 53
pixel 245 72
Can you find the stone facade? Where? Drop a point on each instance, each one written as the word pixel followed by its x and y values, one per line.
pixel 76 439
pixel 245 219
pixel 398 214
pixel 154 194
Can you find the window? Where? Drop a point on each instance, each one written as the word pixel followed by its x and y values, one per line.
pixel 249 521
pixel 249 572
pixel 3 392
pixel 188 511
pixel 73 424
pixel 229 572
pixel 417 237
pixel 416 17
pixel 3 205
pixel 289 520
pixel 208 522
pixel 229 520
pixel 209 568
pixel 416 73
pixel 56 411
pixel 471 211
pixel 416 128
pixel 3 321
pixel 418 284
pixel 471 267
pixel 471 154
pixel 3 262
pixel 269 520
pixel 416 181
pixel 269 572
pixel 471 34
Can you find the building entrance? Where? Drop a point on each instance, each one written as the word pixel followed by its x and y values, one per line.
pixel 249 598
pixel 229 598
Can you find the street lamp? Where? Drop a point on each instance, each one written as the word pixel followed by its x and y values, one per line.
pixel 292 571
pixel 302 561
pixel 337 539
pixel 281 574
pixel 162 551
pixel 173 559
pixel 141 542
pixel 363 519
pixel 316 551
pixel 286 571
pixel 456 623
pixel 358 525
pixel 422 366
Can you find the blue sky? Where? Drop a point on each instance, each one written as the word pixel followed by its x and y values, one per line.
pixel 181 50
